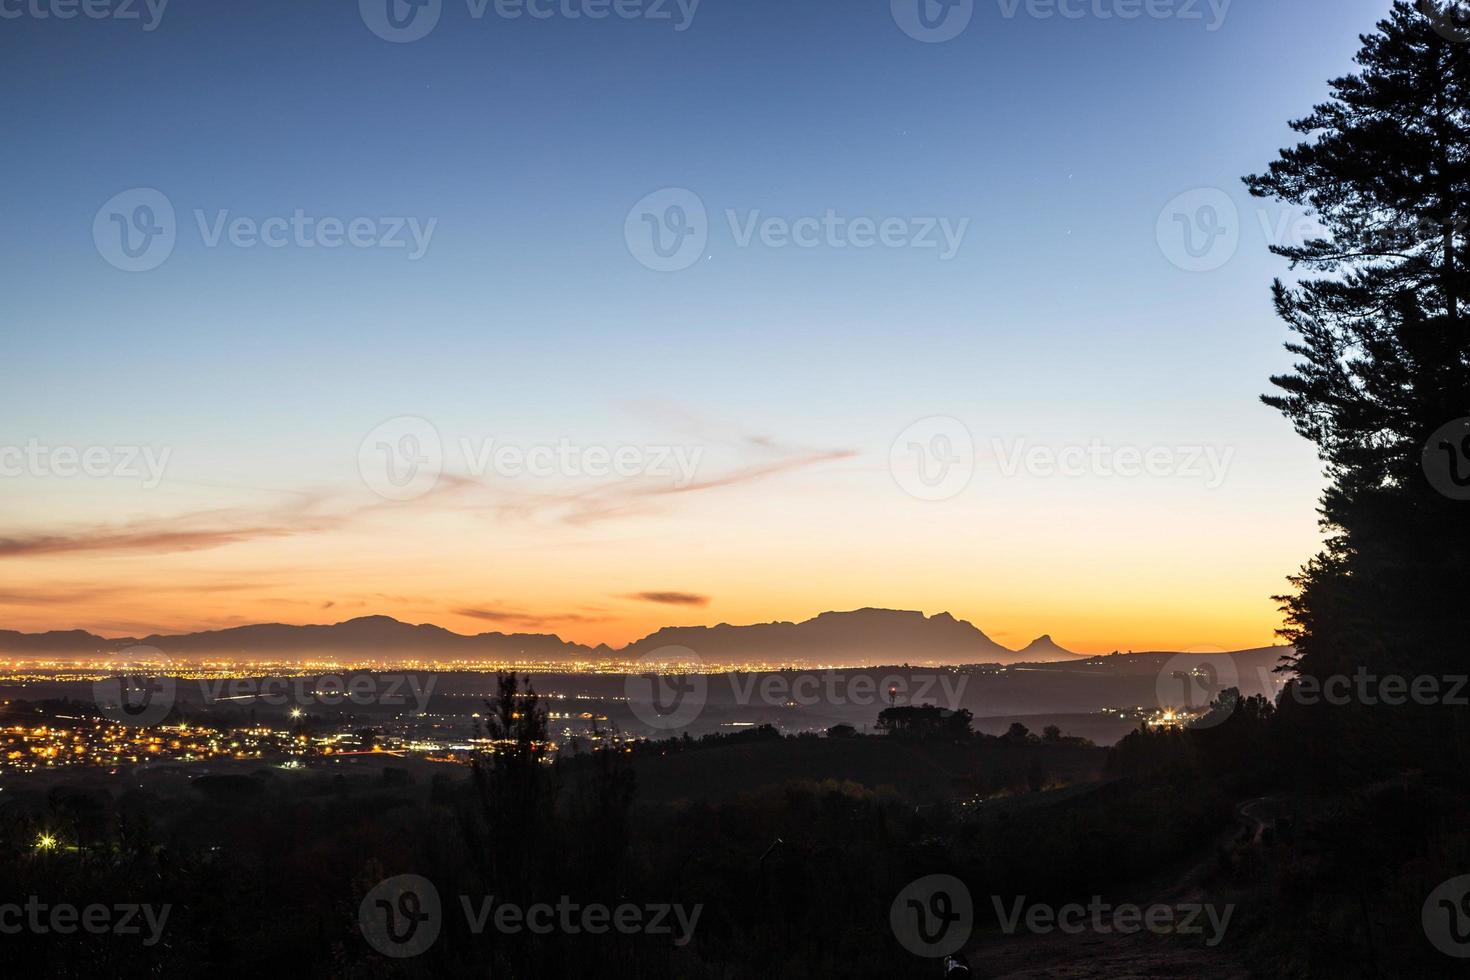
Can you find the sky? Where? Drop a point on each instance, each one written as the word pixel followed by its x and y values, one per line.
pixel 314 311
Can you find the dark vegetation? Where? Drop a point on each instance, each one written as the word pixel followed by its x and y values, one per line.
pixel 264 868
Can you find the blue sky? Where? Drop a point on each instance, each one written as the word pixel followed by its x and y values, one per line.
pixel 528 141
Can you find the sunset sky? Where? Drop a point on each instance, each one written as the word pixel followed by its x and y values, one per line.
pixel 787 373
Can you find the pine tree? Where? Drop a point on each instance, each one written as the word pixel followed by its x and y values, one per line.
pixel 1379 310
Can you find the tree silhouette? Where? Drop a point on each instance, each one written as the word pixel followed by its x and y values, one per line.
pixel 1382 341
pixel 516 789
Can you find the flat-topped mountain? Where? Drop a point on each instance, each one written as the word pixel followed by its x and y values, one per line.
pixel 861 637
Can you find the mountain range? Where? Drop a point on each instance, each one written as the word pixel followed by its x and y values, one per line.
pixel 862 637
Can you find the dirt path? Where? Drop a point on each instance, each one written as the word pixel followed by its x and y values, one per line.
pixel 1141 955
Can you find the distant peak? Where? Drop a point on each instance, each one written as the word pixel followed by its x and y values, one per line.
pixel 1044 645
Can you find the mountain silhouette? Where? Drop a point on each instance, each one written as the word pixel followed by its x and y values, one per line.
pixel 1044 648
pixel 857 638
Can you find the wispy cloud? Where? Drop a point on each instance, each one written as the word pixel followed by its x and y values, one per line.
pixel 78 593
pixel 634 497
pixel 203 530
pixel 53 595
pixel 670 598
pixel 525 620
pixel 309 513
pixel 186 532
